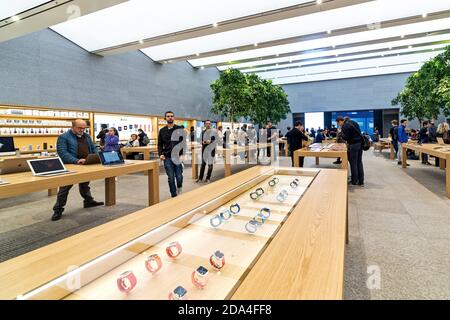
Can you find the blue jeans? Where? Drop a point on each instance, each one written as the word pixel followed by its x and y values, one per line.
pixel 173 171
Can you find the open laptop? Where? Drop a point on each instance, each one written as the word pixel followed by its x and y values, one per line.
pixel 92 158
pixel 7 147
pixel 48 167
pixel 111 158
pixel 440 141
pixel 15 165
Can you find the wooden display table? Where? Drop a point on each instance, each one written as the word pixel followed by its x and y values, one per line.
pixel 385 143
pixel 144 150
pixel 227 153
pixel 297 254
pixel 440 151
pixel 323 150
pixel 25 182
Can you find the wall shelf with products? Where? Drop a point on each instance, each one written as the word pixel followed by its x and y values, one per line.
pixel 36 129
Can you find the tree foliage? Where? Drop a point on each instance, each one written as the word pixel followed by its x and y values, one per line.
pixel 238 95
pixel 426 93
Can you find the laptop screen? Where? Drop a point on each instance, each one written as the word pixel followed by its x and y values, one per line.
pixel 7 144
pixel 46 165
pixel 111 157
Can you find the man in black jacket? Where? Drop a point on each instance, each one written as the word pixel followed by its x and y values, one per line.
pixel 295 140
pixel 351 133
pixel 208 153
pixel 171 146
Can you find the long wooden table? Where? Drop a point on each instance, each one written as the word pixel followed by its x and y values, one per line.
pixel 440 151
pixel 227 153
pixel 25 182
pixel 322 150
pixel 386 143
pixel 303 259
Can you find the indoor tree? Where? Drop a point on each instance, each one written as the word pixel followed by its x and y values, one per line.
pixel 247 95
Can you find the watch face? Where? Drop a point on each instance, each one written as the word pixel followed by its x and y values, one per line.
pixel 180 291
pixel 202 270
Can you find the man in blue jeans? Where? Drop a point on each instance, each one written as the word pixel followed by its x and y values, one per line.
pixel 171 145
pixel 402 138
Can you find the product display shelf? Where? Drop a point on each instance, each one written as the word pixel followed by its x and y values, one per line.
pixel 199 240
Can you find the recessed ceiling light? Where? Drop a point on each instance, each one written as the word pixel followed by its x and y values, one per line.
pixel 337 55
pixel 390 48
pixel 202 67
pixel 277 54
pixel 319 1
pixel 402 36
pixel 424 15
pixel 197 54
pixel 410 47
pixel 215 24
pixel 141 41
pixel 276 65
pixel 329 31
pixel 334 46
pixel 15 18
pixel 255 44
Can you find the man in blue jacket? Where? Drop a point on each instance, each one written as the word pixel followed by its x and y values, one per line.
pixel 73 147
pixel 402 138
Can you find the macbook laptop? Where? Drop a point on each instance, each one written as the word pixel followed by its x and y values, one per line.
pixel 48 167
pixel 111 158
pixel 92 158
pixel 15 165
pixel 440 141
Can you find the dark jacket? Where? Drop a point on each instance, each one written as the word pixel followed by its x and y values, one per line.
pixel 295 139
pixel 210 134
pixel 67 147
pixel 319 137
pixel 423 135
pixel 165 142
pixel 394 134
pixel 351 132
pixel 432 134
pixel 101 135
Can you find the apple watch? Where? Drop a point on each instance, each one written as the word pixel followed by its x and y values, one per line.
pixel 264 213
pixel 251 226
pixel 200 277
pixel 225 214
pixel 254 195
pixel 259 191
pixel 215 221
pixel 153 263
pixel 217 260
pixel 235 208
pixel 274 181
pixel 259 220
pixel 282 196
pixel 126 281
pixel 294 184
pixel 178 293
pixel 174 249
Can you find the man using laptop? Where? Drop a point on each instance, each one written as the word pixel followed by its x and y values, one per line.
pixel 73 147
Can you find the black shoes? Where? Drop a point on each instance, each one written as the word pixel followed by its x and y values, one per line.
pixel 57 214
pixel 93 203
pixel 337 162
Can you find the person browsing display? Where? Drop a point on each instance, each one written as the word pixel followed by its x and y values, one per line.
pixel 73 147
pixel 209 144
pixel 112 140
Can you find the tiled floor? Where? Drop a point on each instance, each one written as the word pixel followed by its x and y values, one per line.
pixel 399 226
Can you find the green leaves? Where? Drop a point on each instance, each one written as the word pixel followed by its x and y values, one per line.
pixel 426 93
pixel 238 95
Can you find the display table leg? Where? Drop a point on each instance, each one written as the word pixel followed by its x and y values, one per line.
pixel 286 150
pixel 344 159
pixel 153 186
pixel 147 158
pixel 403 151
pixel 296 159
pixel 392 155
pixel 442 164
pixel 52 192
pixel 194 164
pixel 317 161
pixel 110 191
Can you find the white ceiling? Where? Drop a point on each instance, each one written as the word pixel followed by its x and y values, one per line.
pixel 287 41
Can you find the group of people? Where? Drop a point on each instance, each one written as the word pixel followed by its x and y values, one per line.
pixel 428 133
pixel 348 132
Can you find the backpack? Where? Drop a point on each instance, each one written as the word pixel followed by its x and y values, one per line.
pixel 145 140
pixel 395 134
pixel 365 142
